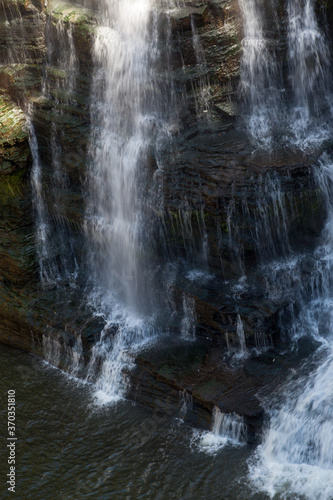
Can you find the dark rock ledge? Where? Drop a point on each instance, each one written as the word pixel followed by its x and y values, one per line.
pixel 212 173
pixel 211 377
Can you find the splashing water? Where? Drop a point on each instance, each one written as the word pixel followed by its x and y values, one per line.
pixel 259 84
pixel 125 117
pixel 296 458
pixel 310 76
pixel 226 429
pixel 113 356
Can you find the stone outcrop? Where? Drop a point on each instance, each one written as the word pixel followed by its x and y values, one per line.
pixel 226 208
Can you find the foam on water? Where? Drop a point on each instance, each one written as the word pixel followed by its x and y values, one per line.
pixel 295 459
pixel 113 356
pixel 227 429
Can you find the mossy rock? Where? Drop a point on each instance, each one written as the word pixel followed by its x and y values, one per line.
pixel 14 144
pixel 69 13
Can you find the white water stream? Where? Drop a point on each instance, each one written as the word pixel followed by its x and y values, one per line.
pixel 295 460
pixel 259 75
pixel 125 116
pixel 310 76
pixel 296 457
pixel 306 90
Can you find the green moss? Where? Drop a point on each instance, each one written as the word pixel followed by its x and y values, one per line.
pixel 69 13
pixel 11 186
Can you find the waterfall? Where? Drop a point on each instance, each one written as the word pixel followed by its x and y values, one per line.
pixel 42 228
pixel 49 179
pixel 125 122
pixel 123 89
pixel 185 403
pixel 295 457
pixel 226 429
pixel 260 86
pixel 310 75
pixel 306 87
pixel 241 335
pixel 61 54
pixel 297 448
pixel 66 357
pixel 188 323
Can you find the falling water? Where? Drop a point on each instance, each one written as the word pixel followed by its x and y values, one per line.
pixel 226 429
pixel 61 54
pixel 188 323
pixel 310 75
pixel 185 402
pixel 125 121
pixel 259 86
pixel 296 454
pixel 241 335
pixel 41 216
pixel 307 85
pixel 123 87
pixel 295 459
pixel 54 244
pixel 67 357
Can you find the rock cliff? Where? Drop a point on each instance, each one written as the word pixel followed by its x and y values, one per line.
pixel 227 207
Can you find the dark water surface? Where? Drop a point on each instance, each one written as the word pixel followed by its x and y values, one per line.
pixel 69 447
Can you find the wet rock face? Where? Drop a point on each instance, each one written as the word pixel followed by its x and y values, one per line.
pixel 206 53
pixel 16 223
pixel 37 79
pixel 47 71
pixel 227 209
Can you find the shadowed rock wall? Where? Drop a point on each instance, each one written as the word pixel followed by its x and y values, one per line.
pixel 226 208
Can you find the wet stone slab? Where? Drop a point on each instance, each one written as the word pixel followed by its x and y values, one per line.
pixel 197 372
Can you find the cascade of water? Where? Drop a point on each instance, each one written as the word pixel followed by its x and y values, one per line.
pixel 226 429
pixel 113 356
pixel 270 226
pixel 310 75
pixel 123 90
pixel 241 335
pixel 41 215
pixel 20 38
pixel 190 224
pixel 229 425
pixel 61 54
pixel 262 341
pixel 63 356
pixel 296 452
pixel 260 86
pixel 54 245
pixel 186 402
pixel 126 120
pixel 51 350
pixel 188 323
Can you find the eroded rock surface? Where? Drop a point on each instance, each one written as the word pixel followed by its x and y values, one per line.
pixel 227 208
